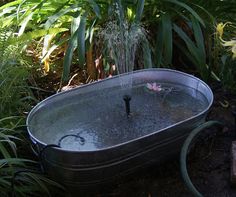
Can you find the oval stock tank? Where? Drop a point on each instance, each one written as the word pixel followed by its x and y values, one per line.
pixel 85 137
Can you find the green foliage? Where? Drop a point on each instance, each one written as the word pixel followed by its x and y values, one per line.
pixel 218 9
pixel 13 88
pixel 33 19
pixel 49 18
pixel 219 61
pixel 173 25
pixel 18 176
pixel 164 44
pixel 178 27
pixel 227 73
pixel 181 27
pixel 195 48
pixel 15 97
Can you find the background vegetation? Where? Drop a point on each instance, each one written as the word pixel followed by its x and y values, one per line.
pixel 44 44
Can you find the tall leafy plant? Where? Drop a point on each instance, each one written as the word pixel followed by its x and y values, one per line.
pixel 13 88
pixel 178 26
pixel 52 20
pixel 18 176
pixel 68 24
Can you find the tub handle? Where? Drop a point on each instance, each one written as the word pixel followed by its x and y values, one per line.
pixel 42 151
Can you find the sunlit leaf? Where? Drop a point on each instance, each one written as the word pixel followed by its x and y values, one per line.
pixel 25 22
pixel 10 4
pixel 29 36
pixel 56 16
pixel 81 40
pixel 52 48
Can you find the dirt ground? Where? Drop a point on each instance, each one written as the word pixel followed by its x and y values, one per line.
pixel 208 162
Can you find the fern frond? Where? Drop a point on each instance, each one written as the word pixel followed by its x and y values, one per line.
pixel 8 52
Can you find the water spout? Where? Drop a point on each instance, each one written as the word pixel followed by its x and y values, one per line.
pixel 127 99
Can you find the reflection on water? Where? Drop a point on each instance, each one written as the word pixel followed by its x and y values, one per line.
pixel 100 117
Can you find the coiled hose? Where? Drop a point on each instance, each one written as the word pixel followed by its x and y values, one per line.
pixel 184 152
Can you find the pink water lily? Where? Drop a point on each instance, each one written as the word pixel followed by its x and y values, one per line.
pixel 154 87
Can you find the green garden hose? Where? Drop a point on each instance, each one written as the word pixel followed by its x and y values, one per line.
pixel 184 152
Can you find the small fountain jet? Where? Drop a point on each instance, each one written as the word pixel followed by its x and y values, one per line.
pixel 127 99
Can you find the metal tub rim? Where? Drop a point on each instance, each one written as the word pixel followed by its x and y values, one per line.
pixel 42 103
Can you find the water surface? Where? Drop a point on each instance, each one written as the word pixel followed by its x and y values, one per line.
pixel 98 119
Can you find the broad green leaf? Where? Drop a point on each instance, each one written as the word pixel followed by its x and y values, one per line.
pixel 167 38
pixel 206 11
pixel 198 37
pixel 159 46
pixel 90 32
pixel 54 18
pixel 189 43
pixel 31 8
pixel 185 51
pixel 75 24
pixel 121 15
pixel 197 55
pixel 52 48
pixel 139 11
pixel 95 7
pixel 46 45
pixel 147 54
pixel 7 10
pixel 68 56
pixel 24 23
pixel 185 6
pixel 29 36
pixel 17 2
pixel 81 40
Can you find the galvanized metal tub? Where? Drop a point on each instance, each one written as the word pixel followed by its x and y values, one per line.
pixel 75 168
